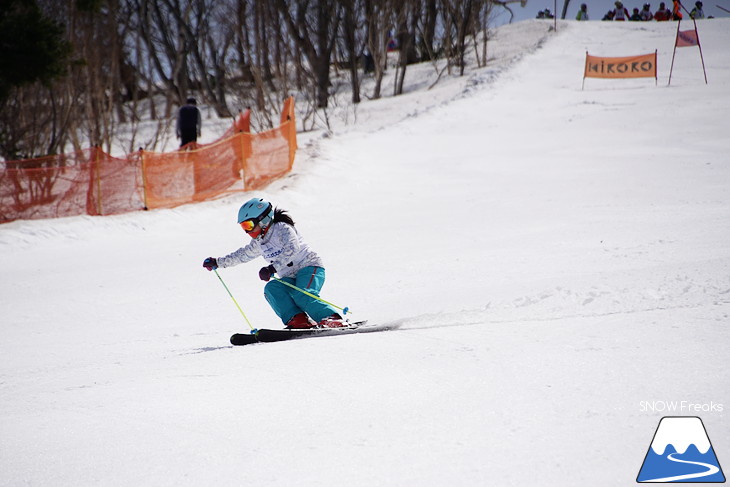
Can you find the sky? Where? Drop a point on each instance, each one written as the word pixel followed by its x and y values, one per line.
pixel 555 260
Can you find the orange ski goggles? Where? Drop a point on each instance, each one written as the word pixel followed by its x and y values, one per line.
pixel 249 225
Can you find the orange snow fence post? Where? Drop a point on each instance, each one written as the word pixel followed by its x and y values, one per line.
pixel 91 182
pixel 288 125
pixel 642 66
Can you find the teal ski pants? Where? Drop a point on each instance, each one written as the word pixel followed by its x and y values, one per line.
pixel 288 302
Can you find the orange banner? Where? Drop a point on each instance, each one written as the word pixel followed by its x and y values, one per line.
pixel 643 66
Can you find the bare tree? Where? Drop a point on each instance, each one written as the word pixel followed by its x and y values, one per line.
pixel 378 28
pixel 135 61
pixel 427 30
pixel 206 48
pixel 165 49
pixel 461 17
pixel 405 18
pixel 313 27
pixel 351 48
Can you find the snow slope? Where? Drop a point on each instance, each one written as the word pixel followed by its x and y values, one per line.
pixel 554 258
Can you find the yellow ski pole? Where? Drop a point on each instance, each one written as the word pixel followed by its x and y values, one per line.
pixel 234 301
pixel 344 310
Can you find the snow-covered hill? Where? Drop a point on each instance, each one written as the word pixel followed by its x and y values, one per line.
pixel 554 256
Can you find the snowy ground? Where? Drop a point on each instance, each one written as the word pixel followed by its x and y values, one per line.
pixel 556 259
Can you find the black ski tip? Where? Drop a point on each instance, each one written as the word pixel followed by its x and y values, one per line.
pixel 239 339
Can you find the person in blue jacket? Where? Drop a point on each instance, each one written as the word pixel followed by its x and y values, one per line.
pixel 275 238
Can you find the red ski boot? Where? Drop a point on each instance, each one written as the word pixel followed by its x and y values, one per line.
pixel 334 321
pixel 300 321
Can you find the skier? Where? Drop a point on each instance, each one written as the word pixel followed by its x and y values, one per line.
pixel 276 239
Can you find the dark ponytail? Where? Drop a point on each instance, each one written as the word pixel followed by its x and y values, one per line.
pixel 282 216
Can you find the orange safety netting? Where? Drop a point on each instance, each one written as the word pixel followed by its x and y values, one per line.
pixel 87 182
pixel 91 182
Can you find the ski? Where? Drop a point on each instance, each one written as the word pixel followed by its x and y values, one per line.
pixel 243 339
pixel 266 335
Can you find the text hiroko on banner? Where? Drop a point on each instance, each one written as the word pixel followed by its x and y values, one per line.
pixel 643 66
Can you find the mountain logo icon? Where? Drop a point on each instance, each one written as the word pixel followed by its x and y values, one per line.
pixel 680 452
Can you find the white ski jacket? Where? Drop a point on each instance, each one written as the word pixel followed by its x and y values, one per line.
pixel 282 247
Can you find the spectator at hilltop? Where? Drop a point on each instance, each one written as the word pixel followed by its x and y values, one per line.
pixel 582 13
pixel 645 13
pixel 608 16
pixel 620 13
pixel 663 14
pixel 635 15
pixel 697 12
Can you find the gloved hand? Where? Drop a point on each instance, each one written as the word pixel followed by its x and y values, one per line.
pixel 266 272
pixel 210 263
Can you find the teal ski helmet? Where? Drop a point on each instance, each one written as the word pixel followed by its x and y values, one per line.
pixel 256 211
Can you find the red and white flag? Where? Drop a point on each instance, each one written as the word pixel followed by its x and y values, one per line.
pixel 687 38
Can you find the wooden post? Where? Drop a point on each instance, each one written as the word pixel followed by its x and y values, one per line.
pixel 144 179
pixel 242 169
pixel 671 68
pixel 99 207
pixel 702 58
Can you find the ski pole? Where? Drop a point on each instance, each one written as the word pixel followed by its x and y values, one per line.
pixel 234 300
pixel 344 310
